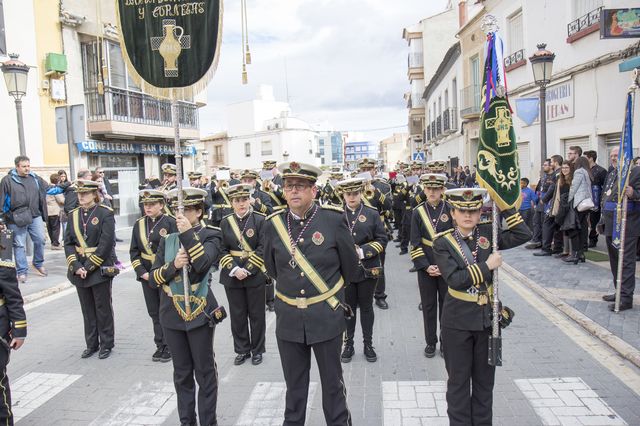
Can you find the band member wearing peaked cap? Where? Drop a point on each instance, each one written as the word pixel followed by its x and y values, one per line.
pixel 465 259
pixel 88 243
pixel 309 251
pixel 189 330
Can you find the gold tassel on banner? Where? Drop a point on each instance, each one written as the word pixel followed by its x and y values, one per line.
pixel 246 33
pixel 245 78
pixel 246 55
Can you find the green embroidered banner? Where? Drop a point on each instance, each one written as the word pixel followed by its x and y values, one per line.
pixel 170 45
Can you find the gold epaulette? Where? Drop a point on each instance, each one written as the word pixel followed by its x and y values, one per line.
pixel 275 213
pixel 486 222
pixel 259 213
pixel 419 205
pixel 334 208
pixel 443 233
pixel 214 227
pixel 107 207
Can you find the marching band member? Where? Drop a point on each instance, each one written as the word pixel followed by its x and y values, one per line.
pixel 148 231
pixel 88 243
pixel 368 233
pixel 465 259
pixel 242 275
pixel 169 172
pixel 260 201
pixel 220 204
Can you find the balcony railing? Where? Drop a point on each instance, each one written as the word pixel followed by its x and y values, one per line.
pixel 514 58
pixel 584 22
pixel 470 96
pixel 439 125
pixel 433 129
pixel 132 107
pixel 428 132
pixel 450 120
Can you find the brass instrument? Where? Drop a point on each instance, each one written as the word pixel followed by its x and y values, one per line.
pixel 369 190
pixel 267 185
pixel 223 184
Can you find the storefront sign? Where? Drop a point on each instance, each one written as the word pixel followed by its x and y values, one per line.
pixel 560 102
pixel 131 148
pixel 620 23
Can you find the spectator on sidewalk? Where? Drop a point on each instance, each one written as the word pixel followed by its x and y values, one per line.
pixel 23 198
pixel 70 195
pixel 106 183
pixel 529 201
pixel 599 176
pixel 562 212
pixel 470 181
pixel 54 207
pixel 580 191
pixel 538 215
pixel 574 153
pixel 103 194
pixel 550 231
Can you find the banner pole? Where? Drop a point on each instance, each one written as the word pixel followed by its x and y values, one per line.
pixel 623 228
pixel 495 340
pixel 175 118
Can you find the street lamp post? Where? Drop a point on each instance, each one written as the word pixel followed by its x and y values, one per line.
pixel 542 64
pixel 15 76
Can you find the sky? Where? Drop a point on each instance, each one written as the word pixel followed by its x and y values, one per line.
pixel 345 61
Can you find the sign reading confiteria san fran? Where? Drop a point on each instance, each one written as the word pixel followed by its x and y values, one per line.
pixel 170 44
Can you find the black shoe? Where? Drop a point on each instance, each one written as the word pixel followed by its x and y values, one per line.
pixel 271 306
pixel 157 355
pixel 347 353
pixel 560 255
pixel 88 353
pixel 403 251
pixel 542 253
pixel 420 306
pixel 241 358
pixel 533 246
pixel 609 297
pixel 165 356
pixel 398 245
pixel 430 351
pixel 623 307
pixel 571 259
pixel 119 240
pixel 382 304
pixel 441 351
pixel 369 353
pixel 593 244
pixel 256 359
pixel 413 270
pixel 104 353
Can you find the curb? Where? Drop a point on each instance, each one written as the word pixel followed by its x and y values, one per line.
pixel 625 350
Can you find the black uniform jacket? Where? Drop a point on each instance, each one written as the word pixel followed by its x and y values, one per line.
pixel 398 197
pixel 438 219
pixel 263 203
pixel 93 251
pixel 610 198
pixel 145 240
pixel 249 256
pixel 368 233
pixel 202 243
pixel 468 315
pixel 13 320
pixel 329 195
pixel 329 247
pixel 220 204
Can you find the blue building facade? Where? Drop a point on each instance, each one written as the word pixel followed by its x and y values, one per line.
pixel 330 149
pixel 355 151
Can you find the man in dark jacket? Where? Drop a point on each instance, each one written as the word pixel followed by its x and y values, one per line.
pixel 23 196
pixel 70 195
pixel 599 174
pixel 550 230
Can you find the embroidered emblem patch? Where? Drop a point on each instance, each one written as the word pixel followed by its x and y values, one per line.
pixel 317 238
pixel 444 218
pixel 467 195
pixel 362 218
pixel 95 221
pixel 250 232
pixel 294 167
pixel 163 232
pixel 484 243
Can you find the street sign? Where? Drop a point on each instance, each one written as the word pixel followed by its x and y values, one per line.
pixel 418 156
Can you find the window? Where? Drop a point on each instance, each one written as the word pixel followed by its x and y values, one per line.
pixel 516 31
pixel 118 75
pixel 266 148
pixel 582 7
pixel 446 98
pixel 454 90
pixel 3 39
pixel 90 65
pixel 475 70
pixel 218 157
pixel 247 149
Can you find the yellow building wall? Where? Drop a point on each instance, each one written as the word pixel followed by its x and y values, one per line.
pixel 49 40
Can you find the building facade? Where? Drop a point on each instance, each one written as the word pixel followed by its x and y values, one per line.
pixel 394 149
pixel 330 148
pixel 355 151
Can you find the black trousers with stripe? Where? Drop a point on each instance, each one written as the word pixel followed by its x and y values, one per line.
pixel 97 312
pixel 6 415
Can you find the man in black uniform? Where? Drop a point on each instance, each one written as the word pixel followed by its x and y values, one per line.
pixel 439 166
pixel 429 219
pixel 242 274
pixel 412 194
pixel 189 329
pixel 465 260
pixel 260 200
pixel 329 194
pixel 550 230
pixel 148 231
pixel 606 225
pixel 169 172
pixel 599 174
pixel 397 205
pixel 13 321
pixel 221 205
pixel 311 254
pixel 273 186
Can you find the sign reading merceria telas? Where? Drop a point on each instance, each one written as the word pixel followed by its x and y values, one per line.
pixel 171 47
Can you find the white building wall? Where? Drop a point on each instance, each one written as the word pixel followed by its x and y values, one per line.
pixel 20 37
pixel 438 34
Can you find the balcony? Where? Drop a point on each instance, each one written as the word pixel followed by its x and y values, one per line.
pixel 415 66
pixel 515 60
pixel 125 113
pixel 428 133
pixel 450 120
pixel 439 126
pixel 433 129
pixel 470 97
pixel 584 25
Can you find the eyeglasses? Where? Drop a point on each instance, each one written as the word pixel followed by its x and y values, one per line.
pixel 297 186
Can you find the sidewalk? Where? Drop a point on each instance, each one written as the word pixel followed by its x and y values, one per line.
pixel 581 287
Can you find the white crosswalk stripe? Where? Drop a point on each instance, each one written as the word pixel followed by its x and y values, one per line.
pixel 414 403
pixel 144 404
pixel 567 401
pixel 34 389
pixel 267 402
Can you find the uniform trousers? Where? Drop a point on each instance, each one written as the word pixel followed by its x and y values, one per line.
pixel 270 292
pixel 381 284
pixel 296 363
pixel 152 300
pixel 97 312
pixel 465 358
pixel 246 309
pixel 397 218
pixel 594 219
pixel 360 295
pixel 192 354
pixel 406 230
pixel 538 217
pixel 6 415
pixel 432 293
pixel 628 279
pixel 551 233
